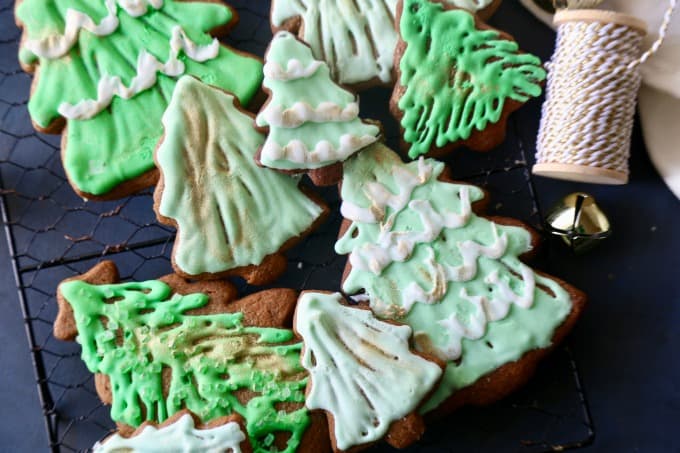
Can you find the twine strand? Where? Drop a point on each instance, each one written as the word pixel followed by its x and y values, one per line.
pixel 662 33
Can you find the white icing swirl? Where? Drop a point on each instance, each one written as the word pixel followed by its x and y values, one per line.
pixel 178 436
pixel 301 112
pixel 472 5
pixel 391 246
pixel 294 70
pixel 136 8
pixel 397 246
pixel 441 274
pixel 56 46
pixel 382 198
pixel 486 310
pixel 298 152
pixel 148 68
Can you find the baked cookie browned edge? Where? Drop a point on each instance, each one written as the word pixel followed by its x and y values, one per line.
pixel 504 380
pixel 268 308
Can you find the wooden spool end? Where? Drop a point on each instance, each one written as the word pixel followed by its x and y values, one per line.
pixel 602 16
pixel 580 173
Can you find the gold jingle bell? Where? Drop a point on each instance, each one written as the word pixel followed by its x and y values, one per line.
pixel 579 221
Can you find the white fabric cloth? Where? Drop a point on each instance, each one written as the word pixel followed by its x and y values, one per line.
pixel 660 97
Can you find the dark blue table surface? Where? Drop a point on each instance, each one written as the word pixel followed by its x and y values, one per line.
pixel 626 342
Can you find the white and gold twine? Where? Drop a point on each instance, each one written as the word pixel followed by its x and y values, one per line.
pixel 593 81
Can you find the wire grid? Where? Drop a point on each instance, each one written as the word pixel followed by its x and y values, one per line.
pixel 53 235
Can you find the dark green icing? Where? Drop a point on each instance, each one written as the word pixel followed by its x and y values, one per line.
pixel 458 77
pixel 132 332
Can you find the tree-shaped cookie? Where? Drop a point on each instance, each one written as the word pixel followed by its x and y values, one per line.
pixel 109 67
pixel 232 217
pixel 182 429
pixel 312 123
pixel 162 346
pixel 422 256
pixel 356 38
pixel 458 79
pixel 362 371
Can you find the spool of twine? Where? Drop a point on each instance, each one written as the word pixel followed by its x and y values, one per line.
pixel 593 82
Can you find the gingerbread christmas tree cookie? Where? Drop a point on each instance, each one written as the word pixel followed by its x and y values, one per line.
pixel 163 346
pixel 422 256
pixel 458 79
pixel 357 39
pixel 312 123
pixel 107 70
pixel 173 358
pixel 232 217
pixel 363 373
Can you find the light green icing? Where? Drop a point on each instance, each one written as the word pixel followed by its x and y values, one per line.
pixel 362 370
pixel 357 38
pixel 180 436
pixel 117 145
pixel 230 212
pixel 325 135
pixel 458 78
pixel 133 332
pixel 530 320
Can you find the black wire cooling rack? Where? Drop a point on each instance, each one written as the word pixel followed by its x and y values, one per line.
pixel 53 234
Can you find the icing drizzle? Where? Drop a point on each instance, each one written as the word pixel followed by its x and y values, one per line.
pixel 312 121
pixel 210 358
pixel 356 38
pixel 180 434
pixel 486 310
pixel 56 46
pixel 421 255
pixel 392 245
pixel 295 70
pixel 301 112
pixel 322 153
pixel 148 68
pixel 361 368
pixel 441 274
pixel 457 77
